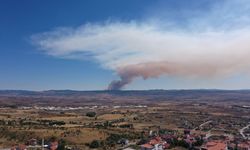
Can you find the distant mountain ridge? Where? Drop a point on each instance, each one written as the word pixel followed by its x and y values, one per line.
pixel 131 97
pixel 121 93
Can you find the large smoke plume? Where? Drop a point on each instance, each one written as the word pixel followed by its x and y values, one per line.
pixel 215 43
pixel 213 68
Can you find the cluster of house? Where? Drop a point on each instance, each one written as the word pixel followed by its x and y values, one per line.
pixel 156 143
pixel 194 141
pixel 169 140
pixel 225 145
pixel 32 144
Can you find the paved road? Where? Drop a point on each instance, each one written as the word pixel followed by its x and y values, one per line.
pixel 203 124
pixel 242 131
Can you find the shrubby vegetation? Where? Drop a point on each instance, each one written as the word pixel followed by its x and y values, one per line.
pixel 91 114
pixel 95 144
pixel 112 140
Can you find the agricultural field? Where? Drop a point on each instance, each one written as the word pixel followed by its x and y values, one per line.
pixel 95 125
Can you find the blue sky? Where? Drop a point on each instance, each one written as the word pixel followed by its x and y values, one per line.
pixel 30 57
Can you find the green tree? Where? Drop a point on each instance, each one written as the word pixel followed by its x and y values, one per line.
pixel 91 114
pixel 95 144
pixel 61 144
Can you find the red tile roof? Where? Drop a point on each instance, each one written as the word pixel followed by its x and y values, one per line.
pixel 216 145
pixel 147 145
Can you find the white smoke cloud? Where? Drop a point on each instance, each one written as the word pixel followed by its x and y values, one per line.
pixel 150 49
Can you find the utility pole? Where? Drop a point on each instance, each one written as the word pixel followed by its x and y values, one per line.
pixel 43 144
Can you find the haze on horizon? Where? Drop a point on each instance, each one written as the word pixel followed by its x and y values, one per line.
pixel 125 45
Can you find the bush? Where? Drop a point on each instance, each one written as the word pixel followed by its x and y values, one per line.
pixel 91 114
pixel 95 144
pixel 51 123
pixel 61 145
pixel 126 126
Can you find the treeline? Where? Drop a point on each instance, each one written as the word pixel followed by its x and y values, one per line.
pixel 23 122
pixel 112 140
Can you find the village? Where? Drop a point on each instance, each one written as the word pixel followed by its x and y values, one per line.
pixel 126 127
pixel 154 139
